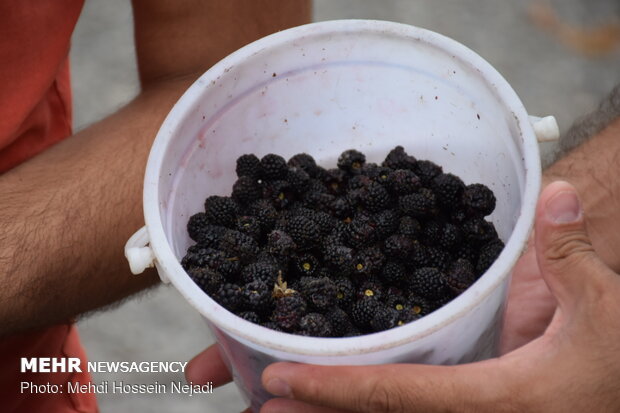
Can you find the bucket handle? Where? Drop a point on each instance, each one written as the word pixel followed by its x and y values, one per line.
pixel 138 252
pixel 546 128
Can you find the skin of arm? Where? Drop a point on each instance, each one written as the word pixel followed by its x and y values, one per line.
pixel 67 213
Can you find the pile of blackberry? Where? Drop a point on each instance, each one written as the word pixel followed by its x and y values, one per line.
pixel 341 252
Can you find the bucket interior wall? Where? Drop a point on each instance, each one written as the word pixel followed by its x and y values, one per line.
pixel 330 92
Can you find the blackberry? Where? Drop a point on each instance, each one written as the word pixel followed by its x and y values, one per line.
pixel 428 282
pixel 279 192
pixel 418 256
pixel 305 264
pixel 289 311
pixel 246 190
pixel 316 185
pixel 458 215
pixel 198 256
pixel 273 167
pixel 363 311
pixel 432 232
pixel 488 254
pixel 393 272
pixel 256 296
pixel 409 227
pixel 451 237
pixel 206 278
pixel 368 261
pixel 315 325
pixel 427 171
pixel 304 231
pixel 229 296
pixel 378 174
pixel 340 322
pixel 405 317
pixel 320 293
pixel 250 226
pixel 317 199
pixel 304 162
pixel 260 271
pixel 340 207
pixel 398 303
pixel 375 197
pixel 393 290
pixel 385 222
pixel 325 222
pixel 371 289
pixel 398 247
pixel 477 231
pixel 358 182
pixel 280 243
pixel 353 198
pixel 204 233
pixel 467 252
pixel 265 213
pixel 248 165
pixel 239 244
pixel 221 210
pixel 420 306
pixel 437 304
pixel 345 292
pixel 250 316
pixel 298 179
pixel 196 226
pixel 354 332
pixel 448 188
pixel 460 275
pixel 359 232
pixel 478 200
pixel 403 182
pixel 397 158
pixel 335 181
pixel 438 258
pixel 384 319
pixel 272 325
pixel 422 204
pixel 351 161
pixel 339 258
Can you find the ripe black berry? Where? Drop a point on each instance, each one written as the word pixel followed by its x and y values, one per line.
pixel 478 200
pixel 273 167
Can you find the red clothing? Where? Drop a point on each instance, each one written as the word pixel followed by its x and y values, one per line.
pixel 35 113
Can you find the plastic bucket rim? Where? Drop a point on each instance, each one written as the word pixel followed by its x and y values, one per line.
pixel 299 345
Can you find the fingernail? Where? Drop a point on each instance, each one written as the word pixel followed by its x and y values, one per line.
pixel 278 387
pixel 564 207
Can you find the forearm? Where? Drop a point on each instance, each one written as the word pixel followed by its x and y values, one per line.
pixel 67 213
pixel 593 168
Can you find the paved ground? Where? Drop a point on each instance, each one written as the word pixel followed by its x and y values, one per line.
pixel 550 77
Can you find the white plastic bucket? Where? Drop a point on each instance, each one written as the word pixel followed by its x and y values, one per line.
pixel 321 89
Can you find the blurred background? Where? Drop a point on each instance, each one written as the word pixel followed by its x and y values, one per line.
pixel 561 57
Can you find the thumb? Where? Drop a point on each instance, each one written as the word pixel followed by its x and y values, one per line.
pixel 564 251
pixel 390 388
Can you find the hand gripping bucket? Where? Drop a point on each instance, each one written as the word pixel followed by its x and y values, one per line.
pixel 321 89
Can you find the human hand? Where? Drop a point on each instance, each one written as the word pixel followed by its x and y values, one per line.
pixel 574 365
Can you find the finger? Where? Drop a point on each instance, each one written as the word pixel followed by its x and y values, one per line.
pixel 288 406
pixel 208 366
pixel 389 388
pixel 564 251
